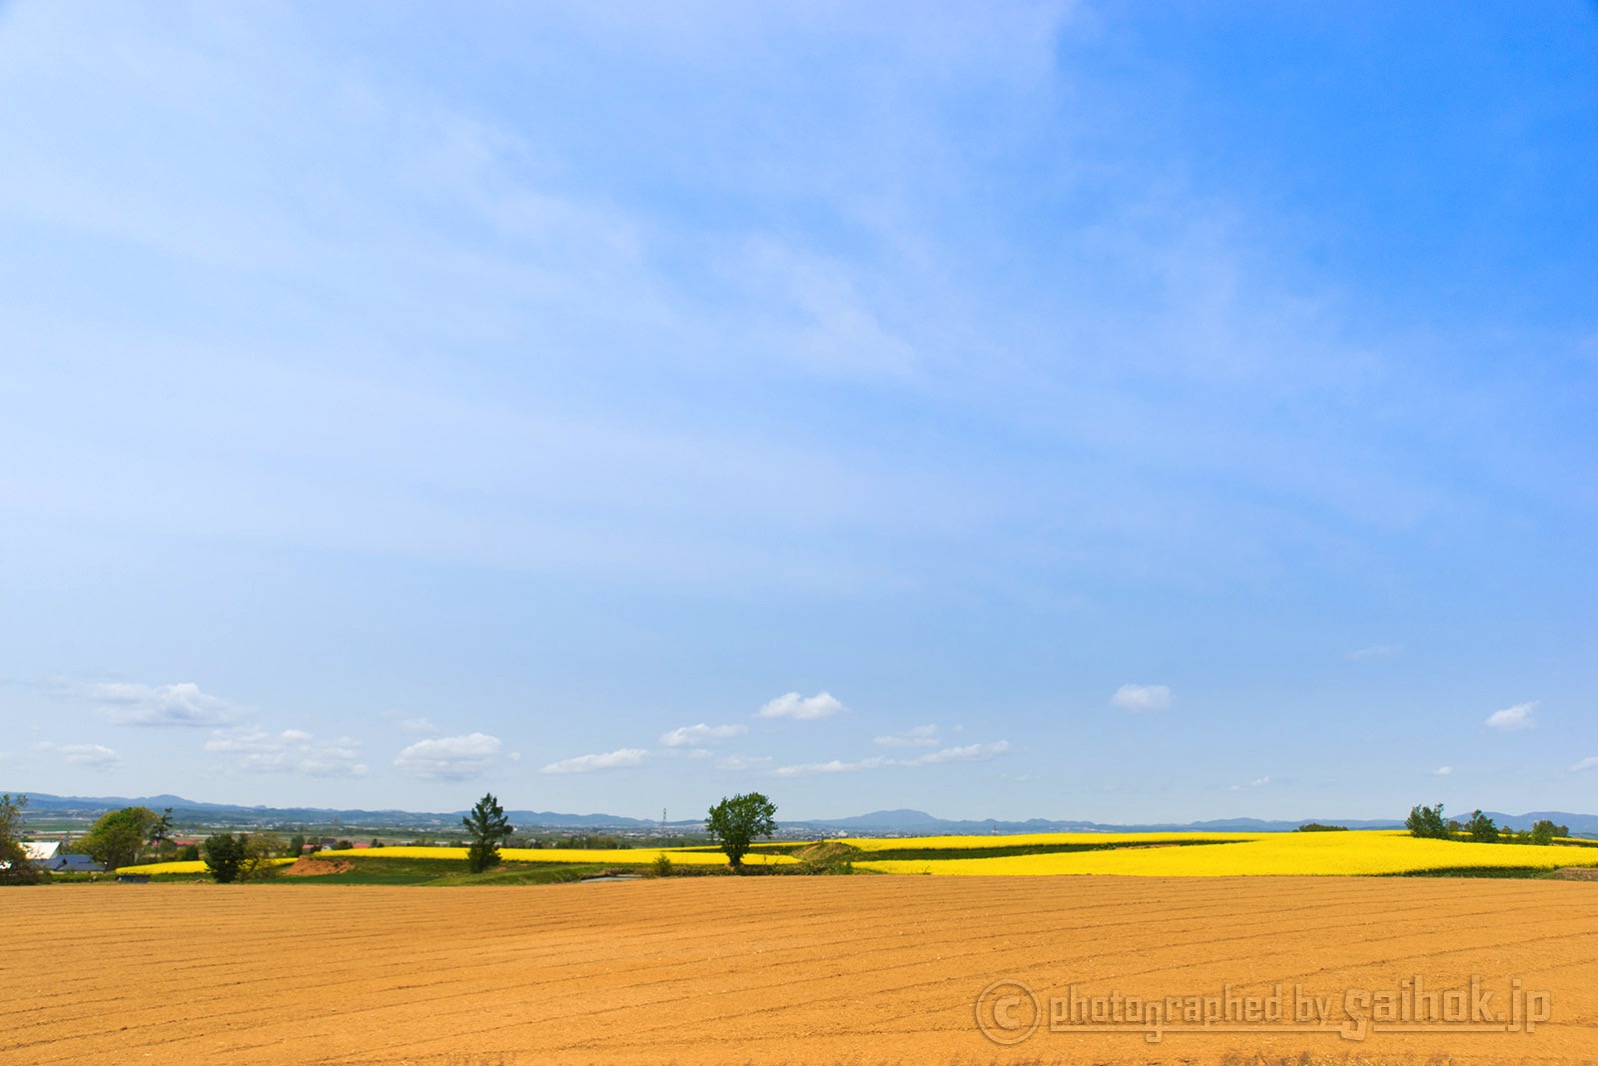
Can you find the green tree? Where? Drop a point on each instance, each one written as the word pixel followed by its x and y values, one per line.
pixel 1481 828
pixel 487 826
pixel 15 869
pixel 1427 822
pixel 736 822
pixel 224 854
pixel 118 835
pixel 259 849
pixel 1544 832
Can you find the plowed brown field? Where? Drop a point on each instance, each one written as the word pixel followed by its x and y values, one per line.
pixel 775 969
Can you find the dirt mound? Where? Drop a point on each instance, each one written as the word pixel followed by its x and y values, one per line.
pixel 317 867
pixel 1575 873
pixel 829 853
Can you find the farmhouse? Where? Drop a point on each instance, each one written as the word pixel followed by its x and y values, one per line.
pixel 47 855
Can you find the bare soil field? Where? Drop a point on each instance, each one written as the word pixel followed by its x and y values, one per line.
pixel 820 970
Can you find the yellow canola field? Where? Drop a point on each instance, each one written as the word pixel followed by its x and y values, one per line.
pixel 1033 840
pixel 195 867
pixel 603 857
pixel 1250 854
pixel 606 857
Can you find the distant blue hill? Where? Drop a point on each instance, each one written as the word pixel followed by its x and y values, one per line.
pixel 911 821
pixel 195 812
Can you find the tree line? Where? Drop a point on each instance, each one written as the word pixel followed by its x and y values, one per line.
pixel 1429 823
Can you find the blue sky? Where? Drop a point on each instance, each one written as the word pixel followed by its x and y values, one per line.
pixel 1102 411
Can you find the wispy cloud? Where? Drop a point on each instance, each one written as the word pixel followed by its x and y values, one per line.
pixel 803 708
pixel 834 766
pixel 418 724
pixel 610 760
pixel 1583 765
pixel 1258 782
pixel 290 751
pixel 967 753
pixel 1142 697
pixel 922 736
pixel 744 762
pixel 181 704
pixel 1443 771
pixel 450 758
pixel 1511 719
pixel 689 736
pixel 1375 651
pixel 95 757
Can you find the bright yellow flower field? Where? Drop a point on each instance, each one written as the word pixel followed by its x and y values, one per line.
pixel 1243 854
pixel 605 857
pixel 195 867
pixel 1032 839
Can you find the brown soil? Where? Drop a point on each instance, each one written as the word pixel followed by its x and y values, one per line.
pixel 1576 873
pixel 316 867
pixel 767 970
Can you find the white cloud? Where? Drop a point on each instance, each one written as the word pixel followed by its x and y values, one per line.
pixel 419 724
pixel 1513 718
pixel 1443 771
pixel 805 709
pixel 450 758
pixel 182 704
pixel 922 736
pixel 743 762
pixel 836 766
pixel 1258 782
pixel 968 753
pixel 693 735
pixel 1375 651
pixel 610 760
pixel 94 756
pixel 1589 763
pixel 1142 697
pixel 291 751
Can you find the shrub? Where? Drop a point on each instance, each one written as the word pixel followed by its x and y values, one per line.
pixel 662 865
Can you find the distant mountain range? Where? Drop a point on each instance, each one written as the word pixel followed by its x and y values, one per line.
pixel 895 821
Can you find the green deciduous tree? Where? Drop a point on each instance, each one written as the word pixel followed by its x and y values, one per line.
pixel 259 850
pixel 15 869
pixel 1544 832
pixel 224 854
pixel 736 822
pixel 118 835
pixel 1427 822
pixel 1481 828
pixel 487 826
